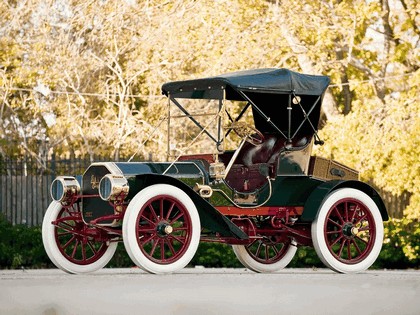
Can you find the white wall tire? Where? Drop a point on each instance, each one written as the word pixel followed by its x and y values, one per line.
pixel 265 258
pixel 65 250
pixel 348 231
pixel 161 229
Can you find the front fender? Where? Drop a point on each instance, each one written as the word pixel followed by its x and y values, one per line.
pixel 318 195
pixel 210 217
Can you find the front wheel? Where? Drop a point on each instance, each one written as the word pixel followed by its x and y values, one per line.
pixel 161 229
pixel 265 255
pixel 348 231
pixel 70 244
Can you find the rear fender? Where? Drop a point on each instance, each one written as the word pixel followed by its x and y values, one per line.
pixel 210 217
pixel 319 194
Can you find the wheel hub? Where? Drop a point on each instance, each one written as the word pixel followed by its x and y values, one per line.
pixel 350 230
pixel 168 229
pixel 354 230
pixel 164 229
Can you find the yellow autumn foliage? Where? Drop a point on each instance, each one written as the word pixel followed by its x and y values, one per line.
pixel 102 64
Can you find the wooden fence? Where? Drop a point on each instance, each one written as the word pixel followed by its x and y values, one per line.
pixel 24 199
pixel 25 184
pixel 395 204
pixel 24 188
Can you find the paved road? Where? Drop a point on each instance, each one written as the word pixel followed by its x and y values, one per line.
pixel 200 291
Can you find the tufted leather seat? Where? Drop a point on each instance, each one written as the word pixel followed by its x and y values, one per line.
pixel 254 163
pixel 261 153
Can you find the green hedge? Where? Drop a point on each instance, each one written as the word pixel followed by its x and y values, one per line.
pixel 21 247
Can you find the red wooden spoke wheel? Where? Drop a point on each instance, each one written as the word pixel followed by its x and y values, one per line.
pixel 70 244
pixel 266 255
pixel 161 229
pixel 73 239
pixel 164 229
pixel 266 251
pixel 348 231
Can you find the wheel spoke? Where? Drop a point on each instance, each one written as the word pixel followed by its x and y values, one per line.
pixel 161 207
pixel 257 253
pixel 356 210
pixel 146 240
pixel 83 246
pixel 346 211
pixel 148 220
pixel 66 227
pixel 334 232
pixel 73 254
pixel 92 248
pixel 180 239
pixel 337 240
pixel 360 219
pixel 152 211
pixel 170 211
pixel 348 249
pixel 162 249
pixel 171 247
pixel 361 239
pixel 340 217
pixel 68 242
pixel 342 244
pixel 276 251
pixel 154 245
pixel 180 214
pixel 356 246
pixel 184 228
pixel 334 222
pixel 147 230
pixel 366 228
pixel 64 233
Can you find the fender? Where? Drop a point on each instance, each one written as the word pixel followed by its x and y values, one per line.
pixel 319 194
pixel 210 217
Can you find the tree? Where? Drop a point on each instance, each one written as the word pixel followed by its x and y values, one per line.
pixel 104 63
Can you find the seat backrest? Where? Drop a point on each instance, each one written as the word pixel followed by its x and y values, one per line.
pixel 252 154
pixel 283 145
pixel 269 150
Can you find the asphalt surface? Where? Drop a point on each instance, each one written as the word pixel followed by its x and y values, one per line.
pixel 199 291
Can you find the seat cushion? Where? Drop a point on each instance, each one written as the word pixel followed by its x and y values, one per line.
pixel 261 153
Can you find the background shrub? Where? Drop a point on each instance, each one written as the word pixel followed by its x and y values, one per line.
pixel 21 247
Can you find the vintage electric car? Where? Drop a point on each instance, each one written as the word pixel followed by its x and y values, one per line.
pixel 239 171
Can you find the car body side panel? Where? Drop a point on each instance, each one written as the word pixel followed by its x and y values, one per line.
pixel 291 190
pixel 285 191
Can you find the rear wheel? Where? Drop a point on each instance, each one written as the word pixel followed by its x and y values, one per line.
pixel 348 231
pixel 265 255
pixel 161 229
pixel 70 243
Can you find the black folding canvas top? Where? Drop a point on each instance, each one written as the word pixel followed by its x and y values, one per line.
pixel 269 80
pixel 283 101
